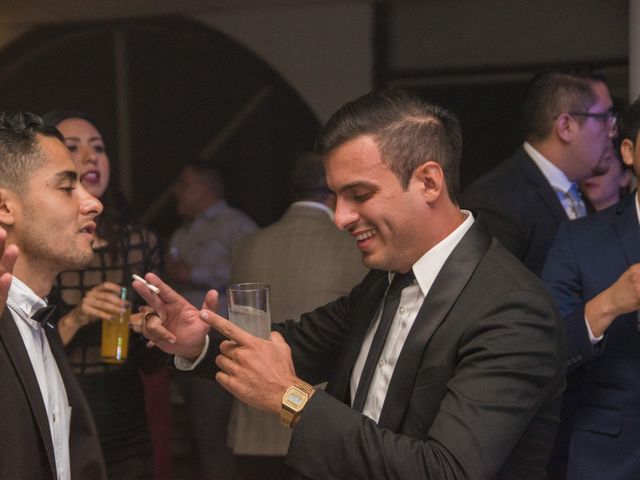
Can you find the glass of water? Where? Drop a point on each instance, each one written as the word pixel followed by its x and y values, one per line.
pixel 249 308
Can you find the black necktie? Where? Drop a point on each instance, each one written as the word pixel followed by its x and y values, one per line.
pixel 44 314
pixel 391 302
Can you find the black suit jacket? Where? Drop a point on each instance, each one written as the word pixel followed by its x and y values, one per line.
pixel 26 448
pixel 519 207
pixel 476 390
pixel 602 408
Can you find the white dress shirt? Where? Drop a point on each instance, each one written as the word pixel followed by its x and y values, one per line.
pixel 425 270
pixel 556 178
pixel 23 303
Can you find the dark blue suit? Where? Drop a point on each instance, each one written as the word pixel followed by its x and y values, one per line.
pixel 602 404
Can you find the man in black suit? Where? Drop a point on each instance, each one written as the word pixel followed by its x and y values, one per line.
pixel 568 123
pixel 447 361
pixel 47 222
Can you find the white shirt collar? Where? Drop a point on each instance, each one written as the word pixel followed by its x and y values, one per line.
pixel 213 209
pixel 556 177
pixel 23 299
pixel 316 205
pixel 428 266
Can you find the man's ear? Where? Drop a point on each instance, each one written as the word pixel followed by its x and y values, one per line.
pixel 430 177
pixel 8 206
pixel 626 149
pixel 564 126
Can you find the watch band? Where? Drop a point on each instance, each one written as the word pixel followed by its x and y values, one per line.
pixel 293 402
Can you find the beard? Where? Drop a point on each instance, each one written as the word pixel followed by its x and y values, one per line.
pixel 48 249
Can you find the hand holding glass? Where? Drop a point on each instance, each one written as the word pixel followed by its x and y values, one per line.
pixel 115 332
pixel 249 308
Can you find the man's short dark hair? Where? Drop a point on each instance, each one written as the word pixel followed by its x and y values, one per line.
pixel 630 122
pixel 308 181
pixel 408 130
pixel 20 153
pixel 552 92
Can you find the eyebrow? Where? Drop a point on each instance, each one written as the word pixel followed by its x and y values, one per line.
pixel 66 175
pixel 356 184
pixel 77 139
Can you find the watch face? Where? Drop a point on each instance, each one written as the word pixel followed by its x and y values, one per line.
pixel 295 398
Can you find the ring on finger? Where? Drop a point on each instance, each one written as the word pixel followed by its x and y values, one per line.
pixel 153 313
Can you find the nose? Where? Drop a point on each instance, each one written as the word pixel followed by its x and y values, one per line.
pixel 89 205
pixel 87 155
pixel 345 215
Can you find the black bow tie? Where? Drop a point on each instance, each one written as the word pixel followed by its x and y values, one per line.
pixel 44 314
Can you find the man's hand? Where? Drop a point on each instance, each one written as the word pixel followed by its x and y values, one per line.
pixel 7 261
pixel 255 370
pixel 176 326
pixel 620 298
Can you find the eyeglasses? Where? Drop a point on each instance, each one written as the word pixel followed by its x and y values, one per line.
pixel 610 117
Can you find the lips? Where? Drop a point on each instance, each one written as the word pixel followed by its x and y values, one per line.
pixel 365 235
pixel 89 228
pixel 364 238
pixel 91 177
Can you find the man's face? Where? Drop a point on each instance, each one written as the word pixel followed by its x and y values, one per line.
pixel 387 222
pixel 54 222
pixel 188 191
pixel 631 154
pixel 605 189
pixel 594 136
pixel 88 153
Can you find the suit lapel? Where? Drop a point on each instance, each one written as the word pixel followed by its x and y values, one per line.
pixel 370 301
pixel 12 340
pixel 546 193
pixel 445 290
pixel 626 226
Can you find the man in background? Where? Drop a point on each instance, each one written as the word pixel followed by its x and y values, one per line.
pixel 569 122
pixel 200 259
pixel 46 428
pixel 200 250
pixel 593 271
pixel 307 262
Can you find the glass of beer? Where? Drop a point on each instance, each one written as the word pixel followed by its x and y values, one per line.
pixel 115 332
pixel 249 308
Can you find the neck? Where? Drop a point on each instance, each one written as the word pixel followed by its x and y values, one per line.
pixel 556 154
pixel 38 278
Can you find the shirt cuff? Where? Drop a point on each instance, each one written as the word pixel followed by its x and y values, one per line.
pixel 187 365
pixel 593 339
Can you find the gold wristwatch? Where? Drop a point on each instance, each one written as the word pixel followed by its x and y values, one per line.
pixel 293 402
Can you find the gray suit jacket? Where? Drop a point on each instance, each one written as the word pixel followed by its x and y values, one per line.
pixel 307 262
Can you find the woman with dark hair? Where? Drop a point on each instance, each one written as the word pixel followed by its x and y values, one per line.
pixel 114 391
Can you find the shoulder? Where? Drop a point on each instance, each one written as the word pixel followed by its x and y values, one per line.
pixel 510 181
pixel 236 216
pixel 500 270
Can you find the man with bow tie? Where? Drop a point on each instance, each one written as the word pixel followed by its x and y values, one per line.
pixel 46 226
